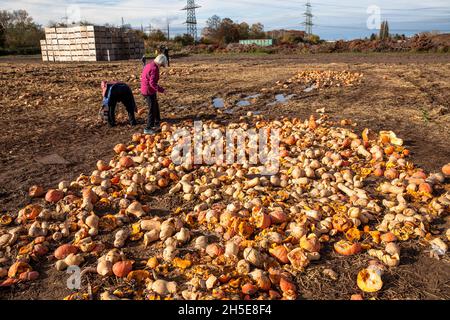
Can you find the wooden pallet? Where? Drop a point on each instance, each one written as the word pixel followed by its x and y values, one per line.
pixel 90 43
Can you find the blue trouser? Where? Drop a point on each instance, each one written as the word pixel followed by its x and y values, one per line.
pixel 120 92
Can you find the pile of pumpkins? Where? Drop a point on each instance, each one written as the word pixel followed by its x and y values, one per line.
pixel 239 234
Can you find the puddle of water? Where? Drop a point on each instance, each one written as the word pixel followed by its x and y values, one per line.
pixel 218 103
pixel 243 103
pixel 229 111
pixel 281 98
pixel 253 96
pixel 310 88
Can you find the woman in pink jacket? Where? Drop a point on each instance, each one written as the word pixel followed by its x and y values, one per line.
pixel 150 89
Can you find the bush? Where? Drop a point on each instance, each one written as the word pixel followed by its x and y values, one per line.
pixel 18 33
pixel 185 40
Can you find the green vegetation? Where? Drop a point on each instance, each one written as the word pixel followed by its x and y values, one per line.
pixel 19 34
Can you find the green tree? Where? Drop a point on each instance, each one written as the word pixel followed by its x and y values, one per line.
pixel 19 30
pixel 257 31
pixel 211 32
pixel 228 32
pixel 157 36
pixel 224 31
pixel 384 31
pixel 244 31
pixel 185 39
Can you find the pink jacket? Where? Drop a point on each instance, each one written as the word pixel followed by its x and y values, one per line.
pixel 149 80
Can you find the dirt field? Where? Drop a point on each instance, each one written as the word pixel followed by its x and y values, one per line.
pixel 51 109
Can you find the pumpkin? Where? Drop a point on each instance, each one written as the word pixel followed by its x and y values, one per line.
pixel 29 276
pixel 53 196
pixel 391 174
pixel 286 285
pixel 214 250
pixel 102 166
pixel 280 253
pixel 388 237
pixel 63 251
pixel 277 217
pixel 310 244
pixel 378 172
pixel 426 188
pixel 347 248
pixel 389 150
pixel 36 192
pixel 122 268
pixel 163 183
pixel 166 162
pixel 262 220
pixel 126 162
pixel 312 123
pixel 369 280
pixel 120 148
pixel 249 289
pixel 446 170
pixel 17 268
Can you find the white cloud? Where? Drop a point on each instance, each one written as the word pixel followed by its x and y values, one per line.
pixel 350 14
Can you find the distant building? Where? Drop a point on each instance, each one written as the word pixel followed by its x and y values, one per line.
pixel 258 42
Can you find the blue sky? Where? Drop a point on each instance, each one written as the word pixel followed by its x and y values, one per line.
pixel 333 19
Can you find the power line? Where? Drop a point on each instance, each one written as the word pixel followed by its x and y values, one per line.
pixel 308 18
pixel 191 19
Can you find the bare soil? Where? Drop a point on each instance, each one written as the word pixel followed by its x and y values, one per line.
pixel 51 109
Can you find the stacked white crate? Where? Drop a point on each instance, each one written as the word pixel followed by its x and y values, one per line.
pixel 90 43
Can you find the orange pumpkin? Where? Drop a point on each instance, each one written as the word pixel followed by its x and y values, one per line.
pixel 346 143
pixel 426 188
pixel 31 211
pixel 310 244
pixel 29 276
pixel 249 289
pixel 446 170
pixel 389 150
pixel 278 217
pixel 36 192
pixel 163 183
pixel 312 123
pixel 341 223
pixel 388 237
pixel 63 251
pixel 262 220
pixel 120 148
pixel 166 162
pixel 102 165
pixel 378 172
pixel 391 174
pixel 347 248
pixel 280 253
pixel 126 162
pixel 290 141
pixel 53 196
pixel 287 286
pixel 122 268
pixel 17 268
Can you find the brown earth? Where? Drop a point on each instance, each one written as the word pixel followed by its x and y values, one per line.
pixel 51 109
